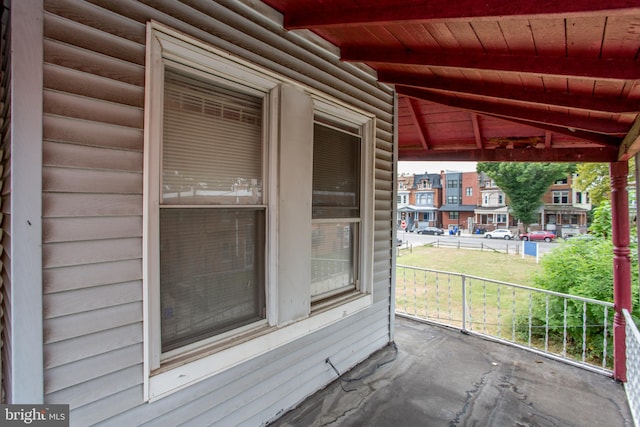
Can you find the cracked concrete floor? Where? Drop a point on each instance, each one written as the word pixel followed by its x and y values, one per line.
pixel 440 377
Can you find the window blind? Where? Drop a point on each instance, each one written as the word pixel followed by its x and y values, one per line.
pixel 336 173
pixel 212 144
pixel 211 256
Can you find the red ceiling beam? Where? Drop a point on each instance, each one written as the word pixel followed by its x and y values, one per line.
pixel 511 92
pixel 476 130
pixel 631 143
pixel 598 138
pixel 606 127
pixel 335 13
pixel 413 111
pixel 573 155
pixel 595 68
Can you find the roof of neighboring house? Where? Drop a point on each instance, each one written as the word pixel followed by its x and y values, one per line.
pixel 457 208
pixel 413 208
pixel 564 208
pixel 433 178
pixel 490 210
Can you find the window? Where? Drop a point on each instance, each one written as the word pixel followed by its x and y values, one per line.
pixel 578 197
pixel 211 211
pixel 424 199
pixel 501 218
pixel 336 208
pixel 485 199
pixel 454 215
pixel 429 216
pixel 561 181
pixel 560 197
pixel 469 191
pixel 452 183
pixel 219 263
pixel 452 200
pixel 500 199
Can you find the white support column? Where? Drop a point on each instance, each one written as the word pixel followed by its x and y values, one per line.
pixel 26 328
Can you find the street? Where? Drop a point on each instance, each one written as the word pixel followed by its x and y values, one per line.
pixel 416 239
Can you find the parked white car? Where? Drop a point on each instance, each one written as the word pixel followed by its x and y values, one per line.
pixel 500 233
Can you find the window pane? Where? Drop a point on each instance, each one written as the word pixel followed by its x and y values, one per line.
pixel 332 258
pixel 211 144
pixel 211 272
pixel 336 173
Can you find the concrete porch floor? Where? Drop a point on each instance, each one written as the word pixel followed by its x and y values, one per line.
pixel 440 377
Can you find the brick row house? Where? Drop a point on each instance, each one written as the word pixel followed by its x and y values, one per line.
pixel 420 199
pixel 473 203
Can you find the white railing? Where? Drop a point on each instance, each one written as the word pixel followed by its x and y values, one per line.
pixel 632 386
pixel 565 327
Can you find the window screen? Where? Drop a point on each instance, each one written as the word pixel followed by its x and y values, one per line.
pixel 212 217
pixel 336 209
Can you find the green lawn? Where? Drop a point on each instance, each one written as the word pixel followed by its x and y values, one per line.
pixel 488 264
pixel 491 308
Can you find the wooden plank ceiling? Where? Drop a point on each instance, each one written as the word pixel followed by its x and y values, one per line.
pixel 492 80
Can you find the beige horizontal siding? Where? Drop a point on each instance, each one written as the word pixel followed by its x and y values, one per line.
pixel 90 157
pixel 92 205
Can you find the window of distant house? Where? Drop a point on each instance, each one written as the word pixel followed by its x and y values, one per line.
pixel 452 200
pixel 424 199
pixel 469 191
pixel 578 197
pixel 501 218
pixel 452 183
pixel 454 215
pixel 560 197
pixel 500 199
pixel 485 199
pixel 561 181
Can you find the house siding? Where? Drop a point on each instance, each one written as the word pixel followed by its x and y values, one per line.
pixel 5 195
pixel 94 54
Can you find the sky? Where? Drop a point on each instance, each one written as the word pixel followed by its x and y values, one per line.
pixel 435 167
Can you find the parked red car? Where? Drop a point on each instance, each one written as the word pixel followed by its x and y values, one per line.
pixel 547 236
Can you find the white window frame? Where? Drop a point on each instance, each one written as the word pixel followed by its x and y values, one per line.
pixel 165 44
pixel 560 194
pixel 336 113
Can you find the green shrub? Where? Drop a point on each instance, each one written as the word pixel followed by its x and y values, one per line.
pixel 582 268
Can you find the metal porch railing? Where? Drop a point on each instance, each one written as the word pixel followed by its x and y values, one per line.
pixel 632 386
pixel 573 329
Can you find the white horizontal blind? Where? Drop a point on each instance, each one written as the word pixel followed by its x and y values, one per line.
pixel 196 170
pixel 212 251
pixel 336 210
pixel 336 173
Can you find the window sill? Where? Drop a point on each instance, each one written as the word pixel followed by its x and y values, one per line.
pixel 226 355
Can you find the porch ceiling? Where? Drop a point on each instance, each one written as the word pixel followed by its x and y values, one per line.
pixel 494 80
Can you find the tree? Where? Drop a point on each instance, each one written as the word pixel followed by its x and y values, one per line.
pixel 594 179
pixel 525 184
pixel 601 225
